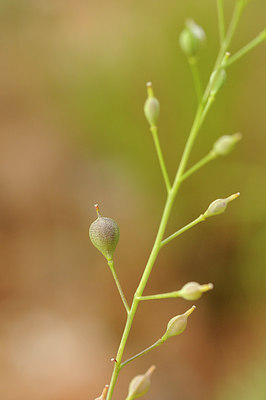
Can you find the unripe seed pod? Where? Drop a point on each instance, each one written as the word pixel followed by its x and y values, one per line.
pixel 226 143
pixel 191 38
pixel 193 290
pixel 218 79
pixel 218 206
pixel 177 324
pixel 104 393
pixel 151 106
pixel 104 235
pixel 140 384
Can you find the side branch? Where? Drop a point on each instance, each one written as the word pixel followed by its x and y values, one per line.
pixel 154 131
pixel 111 265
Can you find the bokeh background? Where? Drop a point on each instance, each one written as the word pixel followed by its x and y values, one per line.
pixel 72 88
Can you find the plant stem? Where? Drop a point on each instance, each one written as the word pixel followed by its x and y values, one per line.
pixel 255 42
pixel 154 131
pixel 193 63
pixel 153 346
pixel 220 10
pixel 112 268
pixel 205 160
pixel 169 295
pixel 182 230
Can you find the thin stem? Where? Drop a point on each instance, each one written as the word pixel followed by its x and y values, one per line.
pixel 205 160
pixel 255 42
pixel 111 265
pixel 169 295
pixel 193 63
pixel 147 350
pixel 154 132
pixel 221 23
pixel 182 230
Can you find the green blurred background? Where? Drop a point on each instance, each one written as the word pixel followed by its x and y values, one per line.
pixel 73 133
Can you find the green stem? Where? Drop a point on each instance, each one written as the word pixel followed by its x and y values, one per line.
pixel 153 346
pixel 193 63
pixel 154 131
pixel 220 10
pixel 255 42
pixel 111 265
pixel 169 295
pixel 205 160
pixel 182 230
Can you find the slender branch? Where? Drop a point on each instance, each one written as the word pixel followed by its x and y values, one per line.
pixel 182 230
pixel 169 295
pixel 111 265
pixel 255 42
pixel 221 22
pixel 154 132
pixel 147 350
pixel 205 160
pixel 193 63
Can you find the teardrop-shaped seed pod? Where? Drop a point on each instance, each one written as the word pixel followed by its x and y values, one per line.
pixel 140 384
pixel 151 107
pixel 177 324
pixel 193 290
pixel 219 206
pixel 104 235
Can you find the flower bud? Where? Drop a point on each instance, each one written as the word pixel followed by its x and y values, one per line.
pixel 104 393
pixel 218 206
pixel 217 79
pixel 104 235
pixel 193 290
pixel 140 384
pixel 226 143
pixel 177 324
pixel 151 106
pixel 191 38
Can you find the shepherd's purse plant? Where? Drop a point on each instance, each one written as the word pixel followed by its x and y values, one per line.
pixel 104 232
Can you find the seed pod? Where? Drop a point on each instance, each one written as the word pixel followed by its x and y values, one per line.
pixel 218 206
pixel 177 324
pixel 104 393
pixel 140 385
pixel 193 290
pixel 226 143
pixel 104 235
pixel 218 79
pixel 151 106
pixel 191 38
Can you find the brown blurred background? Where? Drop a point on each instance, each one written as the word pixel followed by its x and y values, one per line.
pixel 72 88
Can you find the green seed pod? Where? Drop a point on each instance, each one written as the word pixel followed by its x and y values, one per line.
pixel 193 290
pixel 104 235
pixel 218 206
pixel 151 107
pixel 140 385
pixel 191 38
pixel 177 324
pixel 217 79
pixel 104 393
pixel 226 143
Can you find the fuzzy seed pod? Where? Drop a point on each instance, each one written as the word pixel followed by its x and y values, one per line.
pixel 104 393
pixel 225 144
pixel 218 206
pixel 104 235
pixel 191 38
pixel 177 324
pixel 193 290
pixel 151 107
pixel 140 385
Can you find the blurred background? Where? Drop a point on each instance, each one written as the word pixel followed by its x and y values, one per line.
pixel 72 89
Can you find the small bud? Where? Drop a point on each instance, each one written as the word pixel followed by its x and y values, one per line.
pixel 217 79
pixel 218 206
pixel 151 106
pixel 191 38
pixel 193 290
pixel 177 324
pixel 225 144
pixel 104 393
pixel 104 235
pixel 140 384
